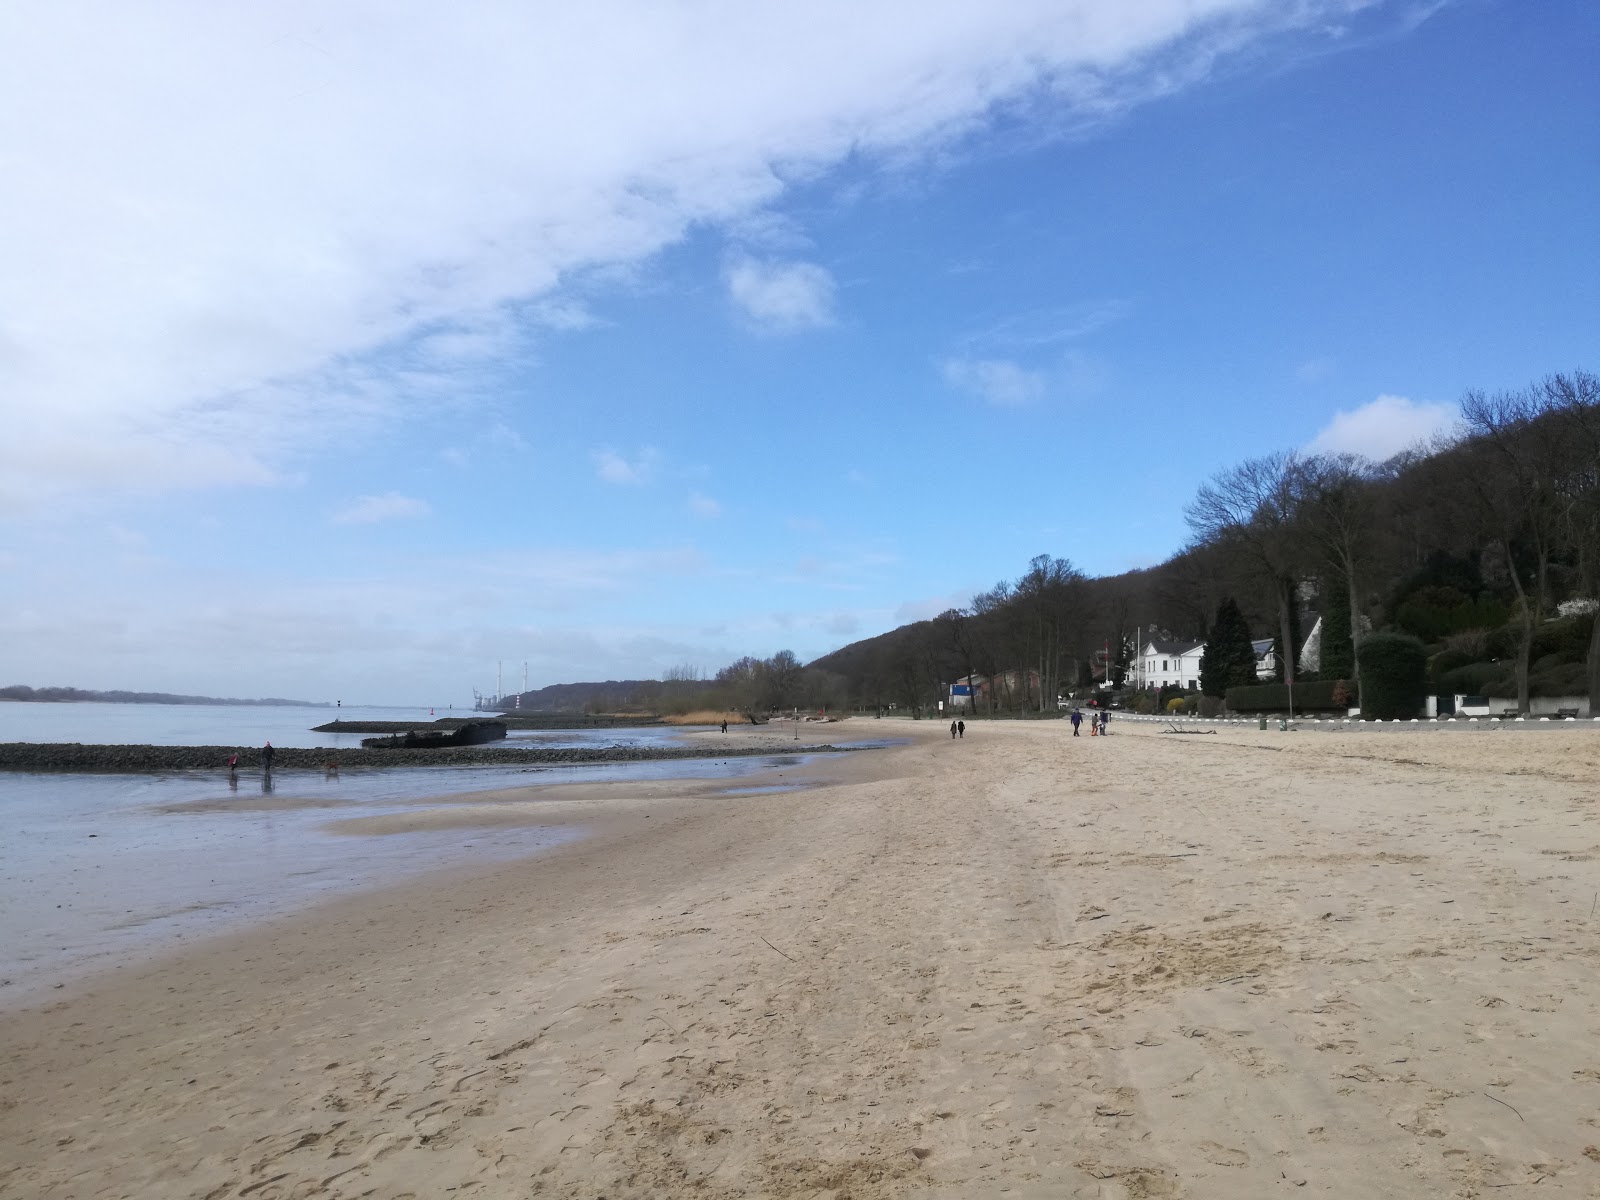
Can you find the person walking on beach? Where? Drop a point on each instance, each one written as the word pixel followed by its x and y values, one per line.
pixel 952 731
pixel 266 757
pixel 1105 719
pixel 1077 720
pixel 724 727
pixel 961 729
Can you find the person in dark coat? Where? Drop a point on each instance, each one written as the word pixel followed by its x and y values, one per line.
pixel 266 757
pixel 961 729
pixel 1077 720
pixel 952 731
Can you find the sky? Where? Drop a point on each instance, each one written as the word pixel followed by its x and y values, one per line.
pixel 348 351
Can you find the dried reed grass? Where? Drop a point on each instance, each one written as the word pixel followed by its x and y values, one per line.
pixel 705 716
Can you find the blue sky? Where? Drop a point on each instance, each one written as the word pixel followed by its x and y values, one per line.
pixel 344 356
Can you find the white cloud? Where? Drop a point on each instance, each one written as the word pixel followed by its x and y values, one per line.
pixel 781 296
pixel 391 506
pixel 997 380
pixel 614 468
pixel 1383 428
pixel 231 229
pixel 704 506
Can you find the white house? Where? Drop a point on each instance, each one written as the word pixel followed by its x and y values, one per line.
pixel 1161 663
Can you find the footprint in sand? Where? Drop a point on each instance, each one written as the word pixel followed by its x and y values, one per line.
pixel 1223 1156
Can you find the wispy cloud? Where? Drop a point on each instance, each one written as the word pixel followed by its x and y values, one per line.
pixel 998 381
pixel 704 506
pixel 614 468
pixel 1048 326
pixel 356 225
pixel 782 297
pixel 1315 370
pixel 1384 427
pixel 391 506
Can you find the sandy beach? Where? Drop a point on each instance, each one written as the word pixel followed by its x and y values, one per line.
pixel 1022 964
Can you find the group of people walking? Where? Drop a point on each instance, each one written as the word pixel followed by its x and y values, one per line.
pixel 1097 721
pixel 1097 724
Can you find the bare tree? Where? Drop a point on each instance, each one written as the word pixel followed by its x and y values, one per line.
pixel 1255 508
pixel 1509 467
pixel 1574 402
pixel 1338 512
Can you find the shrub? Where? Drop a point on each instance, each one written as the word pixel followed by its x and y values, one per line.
pixel 1274 697
pixel 1446 661
pixel 1566 638
pixel 1394 675
pixel 1504 641
pixel 1474 643
pixel 1568 679
pixel 1474 679
pixel 1175 704
pixel 1210 706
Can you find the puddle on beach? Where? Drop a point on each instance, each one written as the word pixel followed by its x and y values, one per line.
pixel 96 870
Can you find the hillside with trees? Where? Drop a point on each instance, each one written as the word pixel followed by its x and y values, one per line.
pixel 1484 548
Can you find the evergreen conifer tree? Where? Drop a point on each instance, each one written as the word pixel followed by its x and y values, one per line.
pixel 1297 636
pixel 1228 659
pixel 1338 652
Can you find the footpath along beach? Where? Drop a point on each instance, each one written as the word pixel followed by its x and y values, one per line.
pixel 1249 964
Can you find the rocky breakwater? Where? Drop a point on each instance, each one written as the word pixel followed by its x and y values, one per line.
pixel 134 760
pixel 473 733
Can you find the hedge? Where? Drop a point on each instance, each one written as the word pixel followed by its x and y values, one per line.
pixel 1394 676
pixel 1274 697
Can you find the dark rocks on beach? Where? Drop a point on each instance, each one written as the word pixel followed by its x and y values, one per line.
pixel 44 756
pixel 472 733
pixel 510 720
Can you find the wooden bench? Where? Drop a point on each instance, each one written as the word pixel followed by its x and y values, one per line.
pixel 1566 714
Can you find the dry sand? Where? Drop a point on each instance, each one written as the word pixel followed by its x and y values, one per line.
pixel 1250 964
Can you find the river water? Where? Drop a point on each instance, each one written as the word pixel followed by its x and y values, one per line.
pixel 248 725
pixel 96 870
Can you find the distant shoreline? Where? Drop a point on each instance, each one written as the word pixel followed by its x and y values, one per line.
pixel 21 693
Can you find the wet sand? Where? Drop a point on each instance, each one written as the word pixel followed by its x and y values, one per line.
pixel 1247 964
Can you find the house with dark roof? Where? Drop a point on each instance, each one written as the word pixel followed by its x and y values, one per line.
pixel 1266 657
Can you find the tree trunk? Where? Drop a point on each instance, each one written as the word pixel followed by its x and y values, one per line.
pixel 1594 668
pixel 1286 648
pixel 1544 582
pixel 1355 630
pixel 1525 649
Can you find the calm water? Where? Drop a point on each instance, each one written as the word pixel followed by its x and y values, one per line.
pixel 235 725
pixel 98 869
